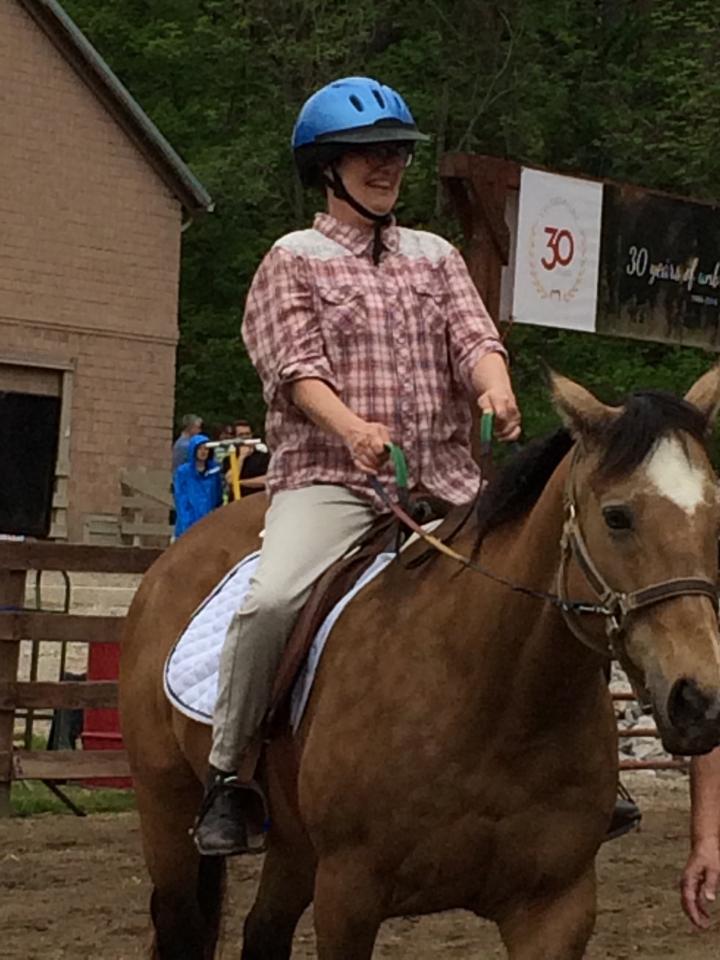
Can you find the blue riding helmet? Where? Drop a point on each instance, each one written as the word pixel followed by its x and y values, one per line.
pixel 353 110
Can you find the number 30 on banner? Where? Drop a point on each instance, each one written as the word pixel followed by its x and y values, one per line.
pixel 562 247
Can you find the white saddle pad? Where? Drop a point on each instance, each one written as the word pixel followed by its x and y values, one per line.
pixel 191 670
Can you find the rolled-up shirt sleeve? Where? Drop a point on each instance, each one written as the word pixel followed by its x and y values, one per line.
pixel 280 328
pixel 471 331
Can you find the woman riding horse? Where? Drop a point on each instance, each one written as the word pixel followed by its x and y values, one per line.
pixel 362 332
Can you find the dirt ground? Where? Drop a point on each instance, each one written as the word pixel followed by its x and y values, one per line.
pixel 74 889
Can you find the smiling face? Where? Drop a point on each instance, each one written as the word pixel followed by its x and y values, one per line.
pixel 372 174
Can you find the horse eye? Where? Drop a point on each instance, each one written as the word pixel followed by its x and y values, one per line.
pixel 618 518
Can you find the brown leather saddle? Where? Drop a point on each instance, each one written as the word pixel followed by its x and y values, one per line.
pixel 386 534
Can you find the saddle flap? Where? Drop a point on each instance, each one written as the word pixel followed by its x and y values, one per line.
pixel 329 589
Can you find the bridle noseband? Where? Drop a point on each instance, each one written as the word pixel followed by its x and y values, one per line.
pixel 615 605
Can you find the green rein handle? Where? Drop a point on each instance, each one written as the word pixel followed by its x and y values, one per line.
pixel 400 463
pixel 487 422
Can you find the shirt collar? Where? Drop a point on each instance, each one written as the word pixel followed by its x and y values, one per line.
pixel 357 240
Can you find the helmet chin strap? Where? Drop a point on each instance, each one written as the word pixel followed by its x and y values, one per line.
pixel 379 220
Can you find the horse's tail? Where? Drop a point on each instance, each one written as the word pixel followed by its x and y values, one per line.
pixel 192 931
pixel 212 876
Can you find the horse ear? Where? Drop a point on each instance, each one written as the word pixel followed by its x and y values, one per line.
pixel 582 413
pixel 705 395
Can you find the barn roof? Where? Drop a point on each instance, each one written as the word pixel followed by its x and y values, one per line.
pixel 91 67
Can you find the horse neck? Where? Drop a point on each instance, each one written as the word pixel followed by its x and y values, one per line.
pixel 536 652
pixel 527 550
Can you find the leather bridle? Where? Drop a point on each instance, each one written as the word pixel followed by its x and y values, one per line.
pixel 615 605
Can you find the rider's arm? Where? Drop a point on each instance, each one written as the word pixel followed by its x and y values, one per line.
pixel 701 874
pixel 472 335
pixel 705 795
pixel 324 407
pixel 281 328
pixel 283 336
pixel 479 360
pixel 491 381
pixel 491 373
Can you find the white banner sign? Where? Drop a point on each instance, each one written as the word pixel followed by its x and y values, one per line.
pixel 558 251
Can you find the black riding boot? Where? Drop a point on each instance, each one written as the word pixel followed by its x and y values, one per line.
pixel 626 815
pixel 233 818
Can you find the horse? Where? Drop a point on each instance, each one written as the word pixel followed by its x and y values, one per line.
pixel 459 749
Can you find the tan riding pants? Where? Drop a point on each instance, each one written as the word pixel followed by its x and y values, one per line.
pixel 306 531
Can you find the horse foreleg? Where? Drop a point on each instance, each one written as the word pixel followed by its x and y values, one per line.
pixel 556 928
pixel 187 894
pixel 286 889
pixel 347 909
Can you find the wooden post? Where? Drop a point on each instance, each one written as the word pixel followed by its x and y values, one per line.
pixel 12 595
pixel 478 188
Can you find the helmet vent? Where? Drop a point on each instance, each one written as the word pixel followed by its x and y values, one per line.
pixel 379 97
pixel 357 103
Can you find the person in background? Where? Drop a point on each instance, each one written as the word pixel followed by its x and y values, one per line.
pixel 242 430
pixel 701 876
pixel 191 427
pixel 197 485
pixel 252 462
pixel 222 456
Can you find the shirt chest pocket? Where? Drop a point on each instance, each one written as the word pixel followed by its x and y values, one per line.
pixel 343 313
pixel 430 308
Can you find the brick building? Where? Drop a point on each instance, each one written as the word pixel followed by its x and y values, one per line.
pixel 92 202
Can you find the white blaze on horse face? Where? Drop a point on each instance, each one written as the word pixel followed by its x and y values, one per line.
pixel 673 475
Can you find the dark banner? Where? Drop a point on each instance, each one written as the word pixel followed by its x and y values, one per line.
pixel 659 268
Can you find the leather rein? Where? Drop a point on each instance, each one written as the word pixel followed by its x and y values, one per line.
pixel 614 605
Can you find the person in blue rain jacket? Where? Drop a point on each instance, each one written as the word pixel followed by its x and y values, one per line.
pixel 197 485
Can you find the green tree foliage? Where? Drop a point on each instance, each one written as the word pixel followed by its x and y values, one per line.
pixel 605 87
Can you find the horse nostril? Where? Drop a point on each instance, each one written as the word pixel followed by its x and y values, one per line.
pixel 687 704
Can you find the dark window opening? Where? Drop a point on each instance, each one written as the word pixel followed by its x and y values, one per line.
pixel 29 428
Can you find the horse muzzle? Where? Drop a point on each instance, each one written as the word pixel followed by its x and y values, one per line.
pixel 689 722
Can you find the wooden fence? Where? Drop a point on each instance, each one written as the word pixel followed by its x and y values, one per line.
pixel 18 623
pixel 652 763
pixel 145 493
pixel 144 518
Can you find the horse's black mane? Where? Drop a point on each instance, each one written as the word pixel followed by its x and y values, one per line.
pixel 648 415
pixel 520 481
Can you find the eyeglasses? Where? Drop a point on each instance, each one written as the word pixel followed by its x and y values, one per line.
pixel 384 152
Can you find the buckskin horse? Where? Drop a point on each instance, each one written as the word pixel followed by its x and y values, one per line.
pixel 459 748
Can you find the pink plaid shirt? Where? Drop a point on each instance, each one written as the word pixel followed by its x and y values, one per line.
pixel 397 343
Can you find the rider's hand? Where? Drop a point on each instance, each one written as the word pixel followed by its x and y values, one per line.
pixel 367 445
pixel 501 402
pixel 700 882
